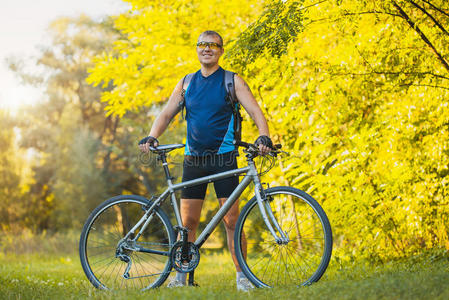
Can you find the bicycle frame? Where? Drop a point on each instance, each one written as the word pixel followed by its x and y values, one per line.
pixel 251 176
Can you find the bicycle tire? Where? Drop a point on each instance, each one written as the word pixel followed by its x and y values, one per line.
pixel 100 237
pixel 303 260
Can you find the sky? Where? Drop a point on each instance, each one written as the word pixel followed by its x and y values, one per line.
pixel 23 27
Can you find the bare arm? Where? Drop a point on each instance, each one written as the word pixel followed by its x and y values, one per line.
pixel 168 112
pixel 163 119
pixel 246 98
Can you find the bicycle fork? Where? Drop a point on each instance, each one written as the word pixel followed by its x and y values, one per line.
pixel 267 214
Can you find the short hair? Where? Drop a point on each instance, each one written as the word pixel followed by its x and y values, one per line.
pixel 211 32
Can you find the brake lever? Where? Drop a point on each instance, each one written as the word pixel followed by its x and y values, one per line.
pixel 276 152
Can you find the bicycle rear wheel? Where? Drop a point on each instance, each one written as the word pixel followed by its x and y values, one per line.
pixel 301 261
pixel 109 261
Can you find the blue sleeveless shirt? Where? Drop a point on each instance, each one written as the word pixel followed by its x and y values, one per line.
pixel 210 122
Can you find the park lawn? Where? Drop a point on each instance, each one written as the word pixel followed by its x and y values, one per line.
pixel 40 276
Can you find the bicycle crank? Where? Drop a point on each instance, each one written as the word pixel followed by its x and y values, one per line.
pixel 184 264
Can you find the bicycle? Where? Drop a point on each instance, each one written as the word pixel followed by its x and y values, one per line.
pixel 283 236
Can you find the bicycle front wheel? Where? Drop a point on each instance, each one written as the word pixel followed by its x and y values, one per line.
pixel 113 263
pixel 300 261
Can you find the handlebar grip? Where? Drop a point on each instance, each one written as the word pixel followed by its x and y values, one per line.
pixel 247 145
pixel 240 143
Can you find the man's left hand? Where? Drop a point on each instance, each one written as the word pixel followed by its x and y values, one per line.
pixel 264 143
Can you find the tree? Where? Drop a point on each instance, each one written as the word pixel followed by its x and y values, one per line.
pixel 356 90
pixel 360 97
pixel 82 157
pixel 12 177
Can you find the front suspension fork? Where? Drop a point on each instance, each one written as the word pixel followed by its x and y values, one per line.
pixel 267 214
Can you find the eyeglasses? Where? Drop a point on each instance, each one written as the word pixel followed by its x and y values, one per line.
pixel 212 45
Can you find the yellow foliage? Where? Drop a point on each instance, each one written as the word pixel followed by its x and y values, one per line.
pixel 158 48
pixel 358 99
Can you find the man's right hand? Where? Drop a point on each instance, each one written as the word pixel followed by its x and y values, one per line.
pixel 148 142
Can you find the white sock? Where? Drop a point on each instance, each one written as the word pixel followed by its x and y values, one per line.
pixel 240 275
pixel 181 277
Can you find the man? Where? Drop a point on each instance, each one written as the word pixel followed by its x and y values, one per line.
pixel 209 147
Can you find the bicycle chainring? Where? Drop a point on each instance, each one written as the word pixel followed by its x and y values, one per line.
pixel 191 263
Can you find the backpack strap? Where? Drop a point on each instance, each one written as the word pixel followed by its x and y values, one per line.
pixel 235 104
pixel 185 84
pixel 230 86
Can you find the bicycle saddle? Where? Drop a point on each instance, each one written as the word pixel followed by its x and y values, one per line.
pixel 166 148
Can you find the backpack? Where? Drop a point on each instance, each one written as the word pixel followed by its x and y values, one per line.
pixel 231 99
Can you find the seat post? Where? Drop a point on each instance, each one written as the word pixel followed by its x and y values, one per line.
pixel 163 159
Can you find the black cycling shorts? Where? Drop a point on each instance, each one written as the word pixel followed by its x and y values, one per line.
pixel 199 166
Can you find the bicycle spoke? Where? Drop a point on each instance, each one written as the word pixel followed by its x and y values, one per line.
pixel 286 268
pixel 137 266
pixel 298 264
pixel 106 267
pixel 294 269
pixel 261 259
pixel 103 259
pixel 116 265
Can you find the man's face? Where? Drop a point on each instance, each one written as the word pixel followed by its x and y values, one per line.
pixel 207 56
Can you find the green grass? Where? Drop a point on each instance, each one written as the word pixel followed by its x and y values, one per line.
pixel 38 276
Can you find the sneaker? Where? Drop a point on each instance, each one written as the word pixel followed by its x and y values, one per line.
pixel 175 283
pixel 244 285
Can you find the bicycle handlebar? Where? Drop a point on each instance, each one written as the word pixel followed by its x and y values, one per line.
pixel 248 145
